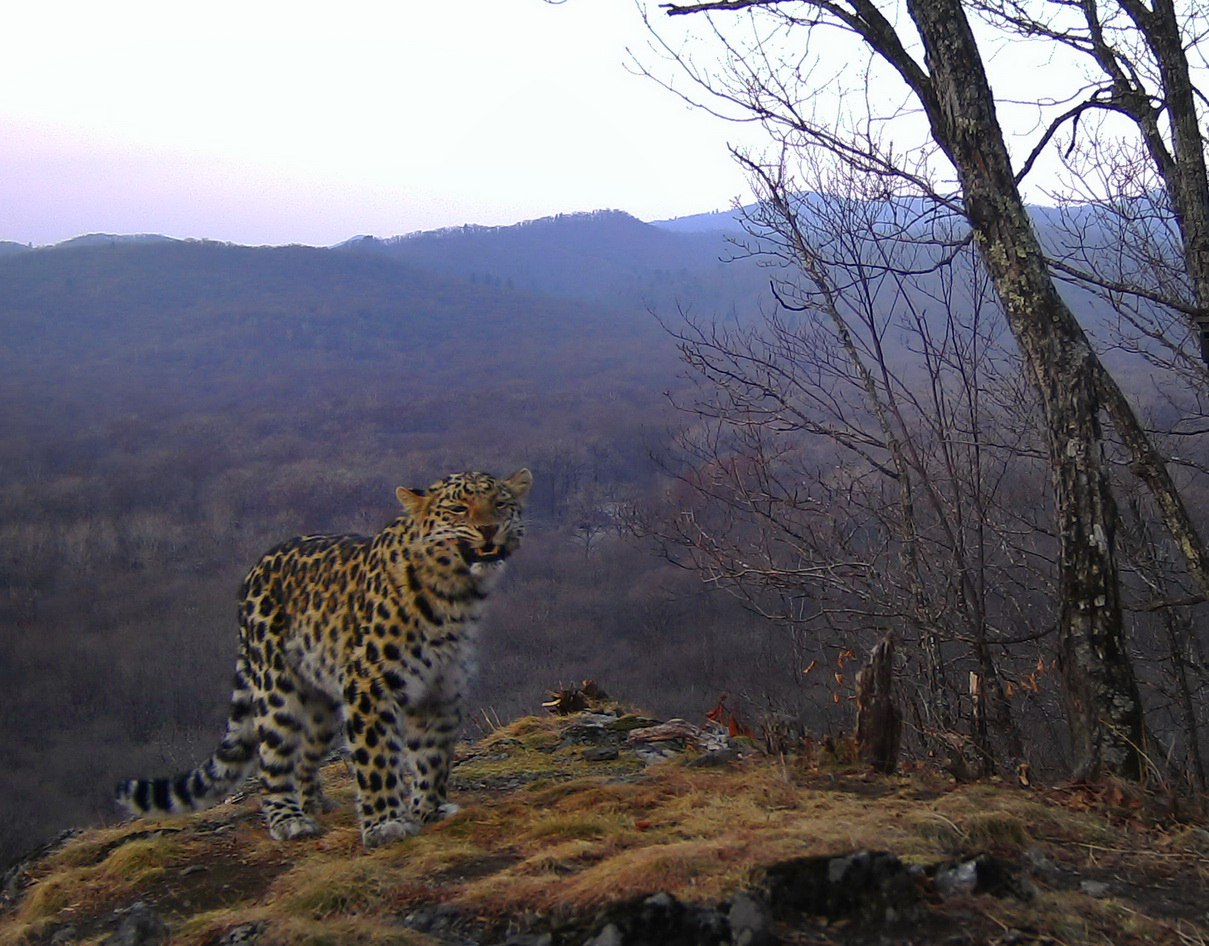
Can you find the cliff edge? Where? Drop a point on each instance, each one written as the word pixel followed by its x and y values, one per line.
pixel 610 829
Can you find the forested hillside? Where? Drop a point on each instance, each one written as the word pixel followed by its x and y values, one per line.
pixel 172 409
pixel 607 258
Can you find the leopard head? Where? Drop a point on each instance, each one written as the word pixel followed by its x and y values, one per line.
pixel 474 515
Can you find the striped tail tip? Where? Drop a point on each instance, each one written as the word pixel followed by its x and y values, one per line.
pixel 161 796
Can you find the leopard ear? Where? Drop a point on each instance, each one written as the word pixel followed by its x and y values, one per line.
pixel 519 483
pixel 409 499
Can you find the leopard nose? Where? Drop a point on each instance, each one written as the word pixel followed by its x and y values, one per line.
pixel 488 533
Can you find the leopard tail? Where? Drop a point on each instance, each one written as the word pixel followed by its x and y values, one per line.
pixel 212 780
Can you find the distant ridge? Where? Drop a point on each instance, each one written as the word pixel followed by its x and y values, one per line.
pixel 710 222
pixel 723 221
pixel 115 239
pixel 606 257
pixel 578 220
pixel 555 221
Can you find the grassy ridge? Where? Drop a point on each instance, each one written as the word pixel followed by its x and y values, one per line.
pixel 546 839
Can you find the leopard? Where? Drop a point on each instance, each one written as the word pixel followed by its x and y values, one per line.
pixel 372 635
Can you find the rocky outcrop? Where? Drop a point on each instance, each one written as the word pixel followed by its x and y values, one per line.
pixel 609 828
pixel 873 892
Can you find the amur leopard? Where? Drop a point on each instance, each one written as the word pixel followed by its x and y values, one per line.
pixel 375 634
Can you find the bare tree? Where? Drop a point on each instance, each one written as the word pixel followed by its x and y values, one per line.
pixel 850 455
pixel 949 85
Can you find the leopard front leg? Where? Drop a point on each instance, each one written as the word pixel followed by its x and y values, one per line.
pixel 372 728
pixel 430 731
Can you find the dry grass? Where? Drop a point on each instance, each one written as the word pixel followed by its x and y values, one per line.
pixel 542 831
pixel 125 869
pixel 298 931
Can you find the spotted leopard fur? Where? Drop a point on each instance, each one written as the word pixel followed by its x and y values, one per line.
pixel 373 633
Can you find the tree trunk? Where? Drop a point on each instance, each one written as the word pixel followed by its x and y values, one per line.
pixel 878 720
pixel 1103 702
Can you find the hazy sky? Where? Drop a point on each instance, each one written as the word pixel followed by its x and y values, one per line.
pixel 274 122
pixel 266 121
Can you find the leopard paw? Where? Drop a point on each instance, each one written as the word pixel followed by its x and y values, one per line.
pixel 387 832
pixel 289 829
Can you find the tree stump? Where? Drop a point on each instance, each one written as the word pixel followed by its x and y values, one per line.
pixel 878 720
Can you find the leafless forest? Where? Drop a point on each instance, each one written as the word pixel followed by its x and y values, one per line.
pixel 715 509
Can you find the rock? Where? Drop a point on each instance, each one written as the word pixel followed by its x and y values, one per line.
pixel 659 920
pixel 609 936
pixel 63 936
pixel 749 920
pixel 955 880
pixel 243 935
pixel 649 755
pixel 1094 888
pixel 140 926
pixel 983 874
pixel 437 921
pixel 651 741
pixel 872 886
pixel 631 721
pixel 589 727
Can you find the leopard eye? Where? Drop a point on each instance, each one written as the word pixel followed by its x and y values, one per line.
pixel 459 509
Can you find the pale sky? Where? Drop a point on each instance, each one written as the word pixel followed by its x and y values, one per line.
pixel 261 121
pixel 266 121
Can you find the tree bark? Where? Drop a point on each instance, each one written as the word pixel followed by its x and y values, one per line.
pixel 1103 701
